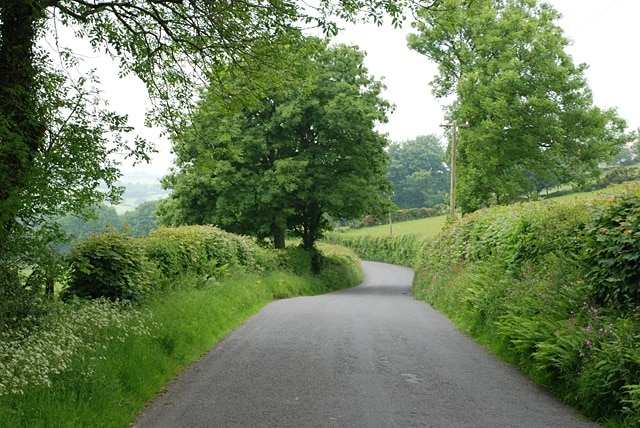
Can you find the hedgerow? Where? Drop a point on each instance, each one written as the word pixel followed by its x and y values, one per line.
pixel 612 250
pixel 403 250
pixel 542 285
pixel 120 267
pixel 110 265
pixel 551 287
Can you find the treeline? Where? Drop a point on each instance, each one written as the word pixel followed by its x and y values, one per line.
pixel 419 171
pixel 138 222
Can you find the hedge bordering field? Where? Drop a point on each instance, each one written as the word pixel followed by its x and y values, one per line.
pixel 551 287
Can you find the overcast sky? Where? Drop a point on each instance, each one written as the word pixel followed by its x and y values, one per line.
pixel 605 34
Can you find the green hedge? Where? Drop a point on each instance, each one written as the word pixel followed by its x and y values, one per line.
pixel 110 265
pixel 120 267
pixel 551 287
pixel 612 251
pixel 201 250
pixel 403 250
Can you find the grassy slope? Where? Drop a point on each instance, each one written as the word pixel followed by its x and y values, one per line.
pixel 426 227
pixel 430 227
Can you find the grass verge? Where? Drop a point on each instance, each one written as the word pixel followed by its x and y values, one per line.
pixel 97 363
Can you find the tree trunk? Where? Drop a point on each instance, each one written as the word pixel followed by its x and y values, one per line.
pixel 21 128
pixel 278 234
pixel 310 234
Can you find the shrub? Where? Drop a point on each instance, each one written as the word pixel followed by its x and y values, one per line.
pixel 203 250
pixel 177 251
pixel 110 265
pixel 402 250
pixel 612 250
pixel 618 175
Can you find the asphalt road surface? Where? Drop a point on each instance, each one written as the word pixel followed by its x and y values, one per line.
pixel 370 356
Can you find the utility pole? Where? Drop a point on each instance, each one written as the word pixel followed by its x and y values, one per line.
pixel 390 224
pixel 452 193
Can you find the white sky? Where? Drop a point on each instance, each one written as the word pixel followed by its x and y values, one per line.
pixel 604 33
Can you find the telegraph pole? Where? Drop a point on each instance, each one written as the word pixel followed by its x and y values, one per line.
pixel 452 193
pixel 390 224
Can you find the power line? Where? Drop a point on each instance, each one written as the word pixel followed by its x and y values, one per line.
pixel 598 15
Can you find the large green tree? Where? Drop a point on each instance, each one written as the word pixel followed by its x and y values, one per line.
pixel 56 139
pixel 306 150
pixel 417 170
pixel 529 108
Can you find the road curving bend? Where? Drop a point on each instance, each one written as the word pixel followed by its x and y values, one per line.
pixel 370 356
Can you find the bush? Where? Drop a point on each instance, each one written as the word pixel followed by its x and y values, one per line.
pixel 612 250
pixel 402 250
pixel 203 250
pixel 109 265
pixel 618 175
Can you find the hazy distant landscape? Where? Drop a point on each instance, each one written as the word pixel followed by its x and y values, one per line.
pixel 140 187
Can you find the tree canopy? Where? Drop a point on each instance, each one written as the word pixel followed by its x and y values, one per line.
pixel 529 108
pixel 57 137
pixel 306 150
pixel 417 170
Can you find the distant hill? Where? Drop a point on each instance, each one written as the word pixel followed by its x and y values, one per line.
pixel 140 176
pixel 141 186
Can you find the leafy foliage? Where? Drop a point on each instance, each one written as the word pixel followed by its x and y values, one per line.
pixel 529 108
pixel 419 175
pixel 202 251
pixel 612 250
pixel 308 149
pixel 110 265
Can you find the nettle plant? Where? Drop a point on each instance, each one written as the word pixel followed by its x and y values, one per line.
pixel 612 250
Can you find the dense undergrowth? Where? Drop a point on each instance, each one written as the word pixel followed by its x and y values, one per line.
pixel 96 363
pixel 550 287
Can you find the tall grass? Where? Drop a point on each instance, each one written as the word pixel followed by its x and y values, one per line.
pixel 96 364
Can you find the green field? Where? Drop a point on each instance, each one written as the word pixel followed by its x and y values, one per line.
pixel 429 227
pixel 426 227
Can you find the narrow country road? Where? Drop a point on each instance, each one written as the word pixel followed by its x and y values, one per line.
pixel 370 356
